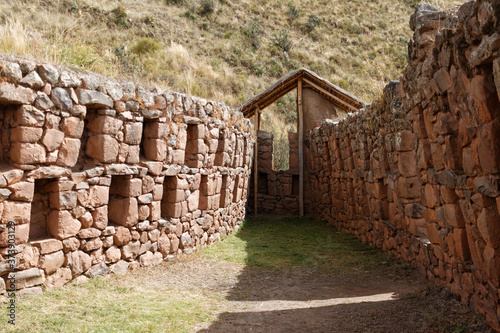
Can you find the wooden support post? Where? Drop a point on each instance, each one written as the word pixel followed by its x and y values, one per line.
pixel 301 147
pixel 255 159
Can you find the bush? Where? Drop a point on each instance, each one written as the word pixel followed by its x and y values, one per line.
pixel 312 22
pixel 282 40
pixel 207 7
pixel 145 45
pixel 119 16
pixel 293 12
pixel 252 31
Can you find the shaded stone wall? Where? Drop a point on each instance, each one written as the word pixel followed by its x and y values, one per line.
pixel 101 176
pixel 278 190
pixel 418 172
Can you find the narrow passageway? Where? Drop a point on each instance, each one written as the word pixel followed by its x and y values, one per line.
pixel 273 275
pixel 301 275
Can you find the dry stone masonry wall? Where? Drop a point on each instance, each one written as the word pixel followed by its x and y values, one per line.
pixel 278 190
pixel 418 172
pixel 100 176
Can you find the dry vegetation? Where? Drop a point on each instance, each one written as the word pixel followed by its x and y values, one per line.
pixel 227 50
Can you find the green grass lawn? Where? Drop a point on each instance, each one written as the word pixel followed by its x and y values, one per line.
pixel 295 242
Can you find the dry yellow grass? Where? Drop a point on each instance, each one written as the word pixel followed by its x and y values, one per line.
pixel 228 50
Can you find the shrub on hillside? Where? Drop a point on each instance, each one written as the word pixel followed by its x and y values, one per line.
pixel 145 45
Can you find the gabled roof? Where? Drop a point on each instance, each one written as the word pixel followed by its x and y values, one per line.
pixel 338 96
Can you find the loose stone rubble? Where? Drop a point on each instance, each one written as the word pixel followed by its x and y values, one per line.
pixel 102 176
pixel 418 172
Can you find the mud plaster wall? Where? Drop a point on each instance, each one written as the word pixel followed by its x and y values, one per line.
pixel 418 172
pixel 101 176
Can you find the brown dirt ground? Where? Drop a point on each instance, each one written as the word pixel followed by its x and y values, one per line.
pixel 387 299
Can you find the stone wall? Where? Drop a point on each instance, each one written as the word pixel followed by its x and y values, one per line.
pixel 277 189
pixel 99 176
pixel 418 172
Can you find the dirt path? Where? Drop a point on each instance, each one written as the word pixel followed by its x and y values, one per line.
pixel 301 300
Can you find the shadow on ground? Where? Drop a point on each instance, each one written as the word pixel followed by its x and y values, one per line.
pixel 302 275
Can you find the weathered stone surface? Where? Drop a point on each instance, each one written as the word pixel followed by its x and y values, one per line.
pixel 94 98
pixel 52 262
pixel 62 225
pixel 10 94
pixel 47 246
pixel 120 267
pixel 26 134
pixel 48 73
pixel 61 99
pixel 103 148
pixel 69 152
pixel 124 211
pixel 52 139
pixel 27 153
pixel 22 191
pixel 25 279
pixel 58 279
pixel 122 236
pixel 79 262
pixel 33 80
pixel 131 250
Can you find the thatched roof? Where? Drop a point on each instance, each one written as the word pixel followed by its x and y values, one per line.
pixel 338 96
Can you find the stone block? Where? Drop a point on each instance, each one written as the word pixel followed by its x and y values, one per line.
pixel 193 201
pixel 155 149
pixel 100 217
pixel 489 147
pixel 72 127
pixel 112 255
pixel 79 262
pixel 25 134
pixel 89 233
pixel 27 115
pixel 171 210
pixel 124 211
pixel 92 98
pixel 52 262
pixel 16 211
pixel 91 245
pixel 131 250
pixel 63 200
pixel 68 152
pixel 100 269
pixel 105 125
pixel 58 279
pixel 133 133
pixel 489 226
pixel 126 187
pixel 10 94
pixel 22 191
pixel 98 195
pixel 27 153
pixel 174 196
pixel 143 212
pixel 155 210
pixel 122 236
pixel 47 246
pixel 453 215
pixel 25 279
pixel 156 130
pixel 103 148
pixel 61 224
pixel 196 132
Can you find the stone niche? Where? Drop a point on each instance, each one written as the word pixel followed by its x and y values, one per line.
pixel 101 176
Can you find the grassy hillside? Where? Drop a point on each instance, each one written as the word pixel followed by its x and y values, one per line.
pixel 227 50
